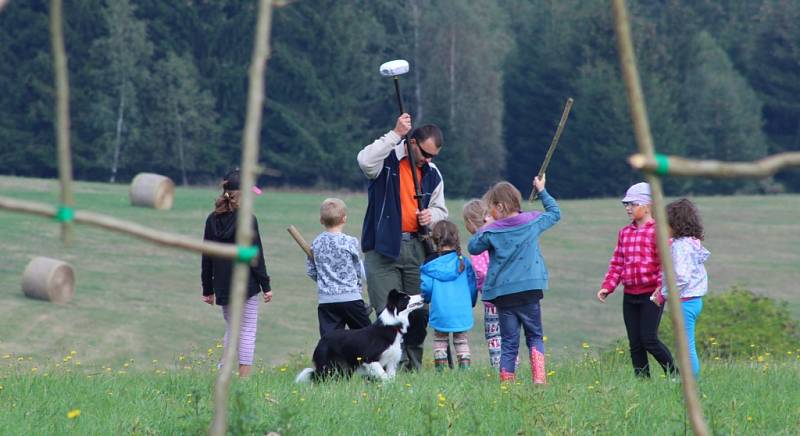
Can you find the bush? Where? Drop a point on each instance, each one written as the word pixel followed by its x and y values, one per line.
pixel 734 324
pixel 739 323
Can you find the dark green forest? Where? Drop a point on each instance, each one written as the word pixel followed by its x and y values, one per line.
pixel 160 86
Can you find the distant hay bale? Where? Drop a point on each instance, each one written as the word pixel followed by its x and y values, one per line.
pixel 49 279
pixel 152 190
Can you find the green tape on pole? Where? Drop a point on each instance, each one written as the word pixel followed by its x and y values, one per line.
pixel 662 164
pixel 246 254
pixel 65 214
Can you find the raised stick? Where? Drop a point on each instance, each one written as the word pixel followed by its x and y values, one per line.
pixel 300 241
pixel 553 143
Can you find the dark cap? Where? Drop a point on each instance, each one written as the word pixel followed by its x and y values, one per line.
pixel 231 180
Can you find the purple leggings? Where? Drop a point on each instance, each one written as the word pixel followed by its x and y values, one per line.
pixel 247 332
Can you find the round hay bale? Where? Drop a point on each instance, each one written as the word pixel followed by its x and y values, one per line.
pixel 49 279
pixel 152 190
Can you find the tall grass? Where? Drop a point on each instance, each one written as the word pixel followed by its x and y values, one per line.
pixel 583 396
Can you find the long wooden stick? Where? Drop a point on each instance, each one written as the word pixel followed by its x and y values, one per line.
pixel 644 139
pixel 62 115
pixel 680 166
pixel 553 143
pixel 215 249
pixel 300 241
pixel 244 233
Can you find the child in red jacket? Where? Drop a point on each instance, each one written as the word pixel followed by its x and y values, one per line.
pixel 636 264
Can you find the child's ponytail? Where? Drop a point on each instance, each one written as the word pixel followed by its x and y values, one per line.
pixel 461 265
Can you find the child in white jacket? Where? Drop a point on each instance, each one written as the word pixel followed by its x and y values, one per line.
pixel 688 256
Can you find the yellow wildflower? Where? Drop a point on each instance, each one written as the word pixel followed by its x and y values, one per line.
pixel 551 373
pixel 585 345
pixel 74 413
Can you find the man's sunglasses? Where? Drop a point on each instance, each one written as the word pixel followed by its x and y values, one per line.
pixel 425 154
pixel 630 203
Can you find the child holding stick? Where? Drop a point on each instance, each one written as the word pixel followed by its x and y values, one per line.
pixel 338 271
pixel 517 274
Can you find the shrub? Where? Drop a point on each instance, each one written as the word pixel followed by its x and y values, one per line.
pixel 738 323
pixel 734 324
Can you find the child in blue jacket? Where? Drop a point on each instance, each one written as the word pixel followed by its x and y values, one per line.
pixel 517 274
pixel 448 284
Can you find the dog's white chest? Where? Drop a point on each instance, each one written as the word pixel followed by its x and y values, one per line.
pixel 392 354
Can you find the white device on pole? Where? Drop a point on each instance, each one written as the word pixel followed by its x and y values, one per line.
pixel 394 68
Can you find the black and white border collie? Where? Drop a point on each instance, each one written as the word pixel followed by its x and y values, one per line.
pixel 373 351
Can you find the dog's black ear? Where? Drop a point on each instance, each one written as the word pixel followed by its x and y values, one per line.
pixel 394 294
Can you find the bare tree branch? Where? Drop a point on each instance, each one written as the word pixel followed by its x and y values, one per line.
pixel 215 249
pixel 680 166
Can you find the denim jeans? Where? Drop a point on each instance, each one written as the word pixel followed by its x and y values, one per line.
pixel 529 317
pixel 691 310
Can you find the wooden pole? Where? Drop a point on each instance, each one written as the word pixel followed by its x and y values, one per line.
pixel 215 249
pixel 300 241
pixel 62 120
pixel 244 233
pixel 553 143
pixel 680 166
pixel 644 139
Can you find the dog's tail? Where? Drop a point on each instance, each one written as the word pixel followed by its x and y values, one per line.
pixel 305 376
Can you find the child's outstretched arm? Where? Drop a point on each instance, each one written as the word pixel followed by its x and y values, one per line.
pixel 478 243
pixel 425 287
pixel 552 213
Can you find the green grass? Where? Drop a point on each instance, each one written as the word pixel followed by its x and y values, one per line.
pixel 583 396
pixel 136 300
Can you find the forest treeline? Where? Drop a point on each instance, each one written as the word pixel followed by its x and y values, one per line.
pixel 161 86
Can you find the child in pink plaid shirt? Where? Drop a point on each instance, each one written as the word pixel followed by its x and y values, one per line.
pixel 636 264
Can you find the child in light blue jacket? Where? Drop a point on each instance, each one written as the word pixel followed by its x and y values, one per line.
pixel 448 284
pixel 517 275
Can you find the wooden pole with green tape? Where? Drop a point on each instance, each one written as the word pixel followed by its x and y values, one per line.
pixel 644 139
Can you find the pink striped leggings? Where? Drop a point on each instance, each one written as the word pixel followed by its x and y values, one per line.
pixel 247 332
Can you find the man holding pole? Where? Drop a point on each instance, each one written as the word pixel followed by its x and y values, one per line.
pixel 394 249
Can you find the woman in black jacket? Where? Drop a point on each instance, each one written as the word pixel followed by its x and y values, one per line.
pixel 216 272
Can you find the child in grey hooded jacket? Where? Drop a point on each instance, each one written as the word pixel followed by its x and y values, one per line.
pixel 688 257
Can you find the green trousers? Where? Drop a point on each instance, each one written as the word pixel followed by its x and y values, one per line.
pixel 385 274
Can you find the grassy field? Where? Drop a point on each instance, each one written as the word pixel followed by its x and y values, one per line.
pixel 584 396
pixel 139 301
